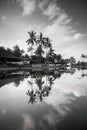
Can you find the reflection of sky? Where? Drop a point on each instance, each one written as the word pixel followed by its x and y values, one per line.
pixel 68 94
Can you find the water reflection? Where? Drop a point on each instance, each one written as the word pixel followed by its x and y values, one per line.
pixel 44 100
pixel 39 82
pixel 43 82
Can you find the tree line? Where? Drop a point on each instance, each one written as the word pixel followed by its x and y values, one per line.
pixel 40 49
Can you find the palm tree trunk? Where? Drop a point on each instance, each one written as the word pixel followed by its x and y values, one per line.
pixel 46 80
pixel 46 56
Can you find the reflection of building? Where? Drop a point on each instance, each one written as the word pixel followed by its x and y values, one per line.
pixel 12 77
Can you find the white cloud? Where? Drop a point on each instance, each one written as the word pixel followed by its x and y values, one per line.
pixel 59 29
pixel 79 36
pixel 3 18
pixel 63 19
pixel 52 11
pixel 3 111
pixel 76 36
pixel 28 6
pixel 28 122
pixel 65 37
pixel 43 3
pixel 21 44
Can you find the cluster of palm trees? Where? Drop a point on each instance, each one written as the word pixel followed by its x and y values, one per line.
pixel 38 44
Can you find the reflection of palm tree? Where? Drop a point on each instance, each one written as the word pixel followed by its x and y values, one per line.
pixel 30 82
pixel 83 75
pixel 46 90
pixel 57 74
pixel 50 79
pixel 43 88
pixel 32 96
pixel 39 83
pixel 17 82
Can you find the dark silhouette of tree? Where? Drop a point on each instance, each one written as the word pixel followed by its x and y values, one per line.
pixel 50 53
pixel 83 56
pixel 32 96
pixel 40 45
pixel 51 81
pixel 26 56
pixel 9 50
pixel 17 82
pixel 39 51
pixel 59 57
pixel 72 60
pixel 17 51
pixel 50 56
pixel 47 45
pixel 39 83
pixel 46 91
pixel 41 40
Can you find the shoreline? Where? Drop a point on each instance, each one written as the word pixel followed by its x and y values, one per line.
pixel 38 67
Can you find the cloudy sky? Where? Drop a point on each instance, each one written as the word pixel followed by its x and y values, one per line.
pixel 64 21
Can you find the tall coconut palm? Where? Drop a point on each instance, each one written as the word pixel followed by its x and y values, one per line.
pixel 41 40
pixel 31 41
pixel 47 45
pixel 51 53
pixel 83 56
pixel 40 45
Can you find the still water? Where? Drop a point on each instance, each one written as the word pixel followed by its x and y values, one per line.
pixel 43 100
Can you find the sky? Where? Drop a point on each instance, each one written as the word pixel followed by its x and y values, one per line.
pixel 63 21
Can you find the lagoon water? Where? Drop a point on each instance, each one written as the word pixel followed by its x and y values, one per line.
pixel 43 101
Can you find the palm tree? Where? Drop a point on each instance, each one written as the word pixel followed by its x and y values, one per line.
pixel 41 40
pixel 51 53
pixel 48 44
pixel 39 51
pixel 31 41
pixel 83 56
pixel 17 51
